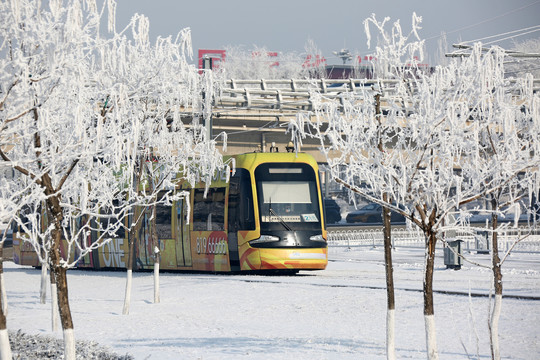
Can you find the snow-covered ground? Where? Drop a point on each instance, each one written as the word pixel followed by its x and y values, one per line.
pixel 338 313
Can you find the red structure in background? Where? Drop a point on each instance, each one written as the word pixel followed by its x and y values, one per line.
pixel 269 54
pixel 217 57
pixel 366 58
pixel 358 70
pixel 313 61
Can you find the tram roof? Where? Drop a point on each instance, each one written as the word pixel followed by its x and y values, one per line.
pixel 252 160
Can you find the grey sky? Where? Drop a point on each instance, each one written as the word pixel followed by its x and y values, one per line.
pixel 286 25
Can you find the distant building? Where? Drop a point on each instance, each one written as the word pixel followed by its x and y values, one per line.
pixel 216 57
pixel 360 70
pixel 362 67
pixel 348 72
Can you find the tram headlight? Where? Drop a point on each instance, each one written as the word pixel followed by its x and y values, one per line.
pixel 317 238
pixel 265 239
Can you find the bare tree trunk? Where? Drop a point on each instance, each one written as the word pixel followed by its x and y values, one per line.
pixel 134 230
pixel 127 297
pixel 156 275
pixel 129 272
pixel 65 313
pixel 390 318
pixel 44 268
pixel 132 237
pixel 5 347
pixel 54 303
pixel 497 280
pixel 60 273
pixel 387 233
pixel 429 311
pixel 155 242
pixel 3 293
pixel 390 297
pixel 44 282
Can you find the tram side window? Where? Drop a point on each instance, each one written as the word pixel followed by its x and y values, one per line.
pixel 107 219
pixel 25 215
pixel 241 215
pixel 164 220
pixel 209 212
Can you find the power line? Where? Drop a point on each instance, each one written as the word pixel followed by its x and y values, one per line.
pixel 537 27
pixel 485 21
pixel 513 36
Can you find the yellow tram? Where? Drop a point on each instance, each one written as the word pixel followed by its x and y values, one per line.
pixel 269 216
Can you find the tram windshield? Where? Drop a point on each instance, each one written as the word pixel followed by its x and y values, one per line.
pixel 288 197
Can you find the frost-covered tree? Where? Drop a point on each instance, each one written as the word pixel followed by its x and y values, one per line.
pixel 503 160
pixel 156 88
pixel 358 140
pixel 80 115
pixel 44 75
pixel 429 135
pixel 260 63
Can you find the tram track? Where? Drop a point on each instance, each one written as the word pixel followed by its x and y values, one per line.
pixel 372 287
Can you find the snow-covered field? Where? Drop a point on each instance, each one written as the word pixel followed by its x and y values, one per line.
pixel 338 313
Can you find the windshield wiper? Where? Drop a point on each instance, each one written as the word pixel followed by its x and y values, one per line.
pixel 271 211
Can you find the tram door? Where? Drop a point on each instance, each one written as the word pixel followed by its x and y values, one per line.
pixel 232 222
pixel 183 242
pixel 240 213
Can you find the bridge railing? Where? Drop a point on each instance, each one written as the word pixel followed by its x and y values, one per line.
pixel 475 240
pixel 293 94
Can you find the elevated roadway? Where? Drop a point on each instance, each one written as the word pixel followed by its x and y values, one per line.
pixel 254 113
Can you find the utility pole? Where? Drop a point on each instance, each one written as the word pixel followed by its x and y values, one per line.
pixel 207 113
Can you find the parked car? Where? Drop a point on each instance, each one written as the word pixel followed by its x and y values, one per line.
pixel 477 216
pixel 9 236
pixel 332 210
pixel 372 214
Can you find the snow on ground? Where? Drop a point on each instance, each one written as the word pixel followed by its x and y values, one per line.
pixel 338 313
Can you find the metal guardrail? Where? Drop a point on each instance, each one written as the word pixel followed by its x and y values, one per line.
pixel 475 239
pixel 296 94
pixel 374 238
